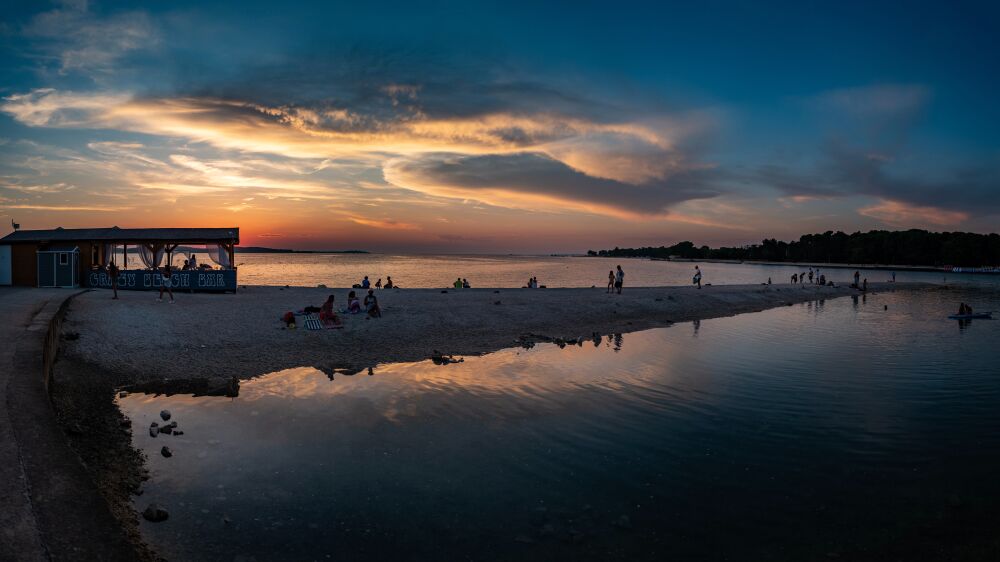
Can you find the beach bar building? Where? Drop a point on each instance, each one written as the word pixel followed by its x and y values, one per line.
pixel 80 257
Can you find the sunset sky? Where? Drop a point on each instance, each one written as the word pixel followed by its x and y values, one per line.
pixel 500 127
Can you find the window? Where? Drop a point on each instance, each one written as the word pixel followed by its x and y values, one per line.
pixel 64 259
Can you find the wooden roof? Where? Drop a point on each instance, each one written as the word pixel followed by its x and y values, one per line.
pixel 128 235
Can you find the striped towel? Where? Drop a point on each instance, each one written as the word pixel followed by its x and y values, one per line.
pixel 312 322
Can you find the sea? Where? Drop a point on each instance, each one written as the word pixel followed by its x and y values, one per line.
pixel 855 428
pixel 431 271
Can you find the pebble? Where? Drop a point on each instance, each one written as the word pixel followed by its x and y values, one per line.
pixel 155 513
pixel 623 522
pixel 165 414
pixel 122 394
pixel 165 451
pixel 154 429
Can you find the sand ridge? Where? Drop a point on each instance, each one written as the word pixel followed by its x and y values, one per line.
pixel 138 339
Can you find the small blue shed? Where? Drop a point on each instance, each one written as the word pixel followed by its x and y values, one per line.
pixel 59 266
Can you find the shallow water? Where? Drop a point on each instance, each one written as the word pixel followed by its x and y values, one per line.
pixel 828 429
pixel 343 270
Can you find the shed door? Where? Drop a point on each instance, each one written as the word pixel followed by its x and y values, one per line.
pixel 6 269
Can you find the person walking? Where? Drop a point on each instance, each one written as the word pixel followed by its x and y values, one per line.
pixel 697 276
pixel 165 284
pixel 619 279
pixel 113 273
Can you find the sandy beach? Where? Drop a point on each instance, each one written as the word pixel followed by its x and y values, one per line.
pixel 137 339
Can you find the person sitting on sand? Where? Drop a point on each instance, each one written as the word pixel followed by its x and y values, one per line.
pixel 365 283
pixel 353 305
pixel 465 284
pixel 611 280
pixel 458 283
pixel 371 305
pixel 186 266
pixel 378 284
pixel 388 282
pixel 326 312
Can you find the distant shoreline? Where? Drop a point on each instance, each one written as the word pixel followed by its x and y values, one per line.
pixel 820 265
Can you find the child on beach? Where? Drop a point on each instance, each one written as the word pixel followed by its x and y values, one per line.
pixel 611 280
pixel 353 305
pixel 619 279
pixel 371 305
pixel 326 312
pixel 378 284
pixel 165 284
pixel 388 282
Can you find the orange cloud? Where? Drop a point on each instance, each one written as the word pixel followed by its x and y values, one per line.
pixel 385 224
pixel 899 213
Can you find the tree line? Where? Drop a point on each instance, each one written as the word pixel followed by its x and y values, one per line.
pixel 902 247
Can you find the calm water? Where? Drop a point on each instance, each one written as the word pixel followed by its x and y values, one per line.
pixel 825 430
pixel 342 270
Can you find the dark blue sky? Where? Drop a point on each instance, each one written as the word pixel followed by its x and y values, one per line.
pixel 423 126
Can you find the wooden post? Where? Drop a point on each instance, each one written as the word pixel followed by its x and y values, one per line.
pixel 231 250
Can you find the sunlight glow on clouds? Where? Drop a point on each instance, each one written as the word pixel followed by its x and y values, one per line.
pixel 432 136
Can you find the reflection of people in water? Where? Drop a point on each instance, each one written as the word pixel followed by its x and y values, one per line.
pixel 618 342
pixel 697 325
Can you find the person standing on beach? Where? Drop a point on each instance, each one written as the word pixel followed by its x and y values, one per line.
pixel 857 277
pixel 697 276
pixel 795 278
pixel 817 276
pixel 611 280
pixel 810 275
pixel 619 279
pixel 893 276
pixel 165 284
pixel 864 285
pixel 113 273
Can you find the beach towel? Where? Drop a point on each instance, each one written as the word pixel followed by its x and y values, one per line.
pixel 312 323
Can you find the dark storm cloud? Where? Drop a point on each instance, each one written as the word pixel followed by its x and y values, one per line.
pixel 846 171
pixel 536 175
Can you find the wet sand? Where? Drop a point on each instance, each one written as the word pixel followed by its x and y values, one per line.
pixel 137 339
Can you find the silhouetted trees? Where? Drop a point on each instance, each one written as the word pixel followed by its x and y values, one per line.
pixel 903 247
